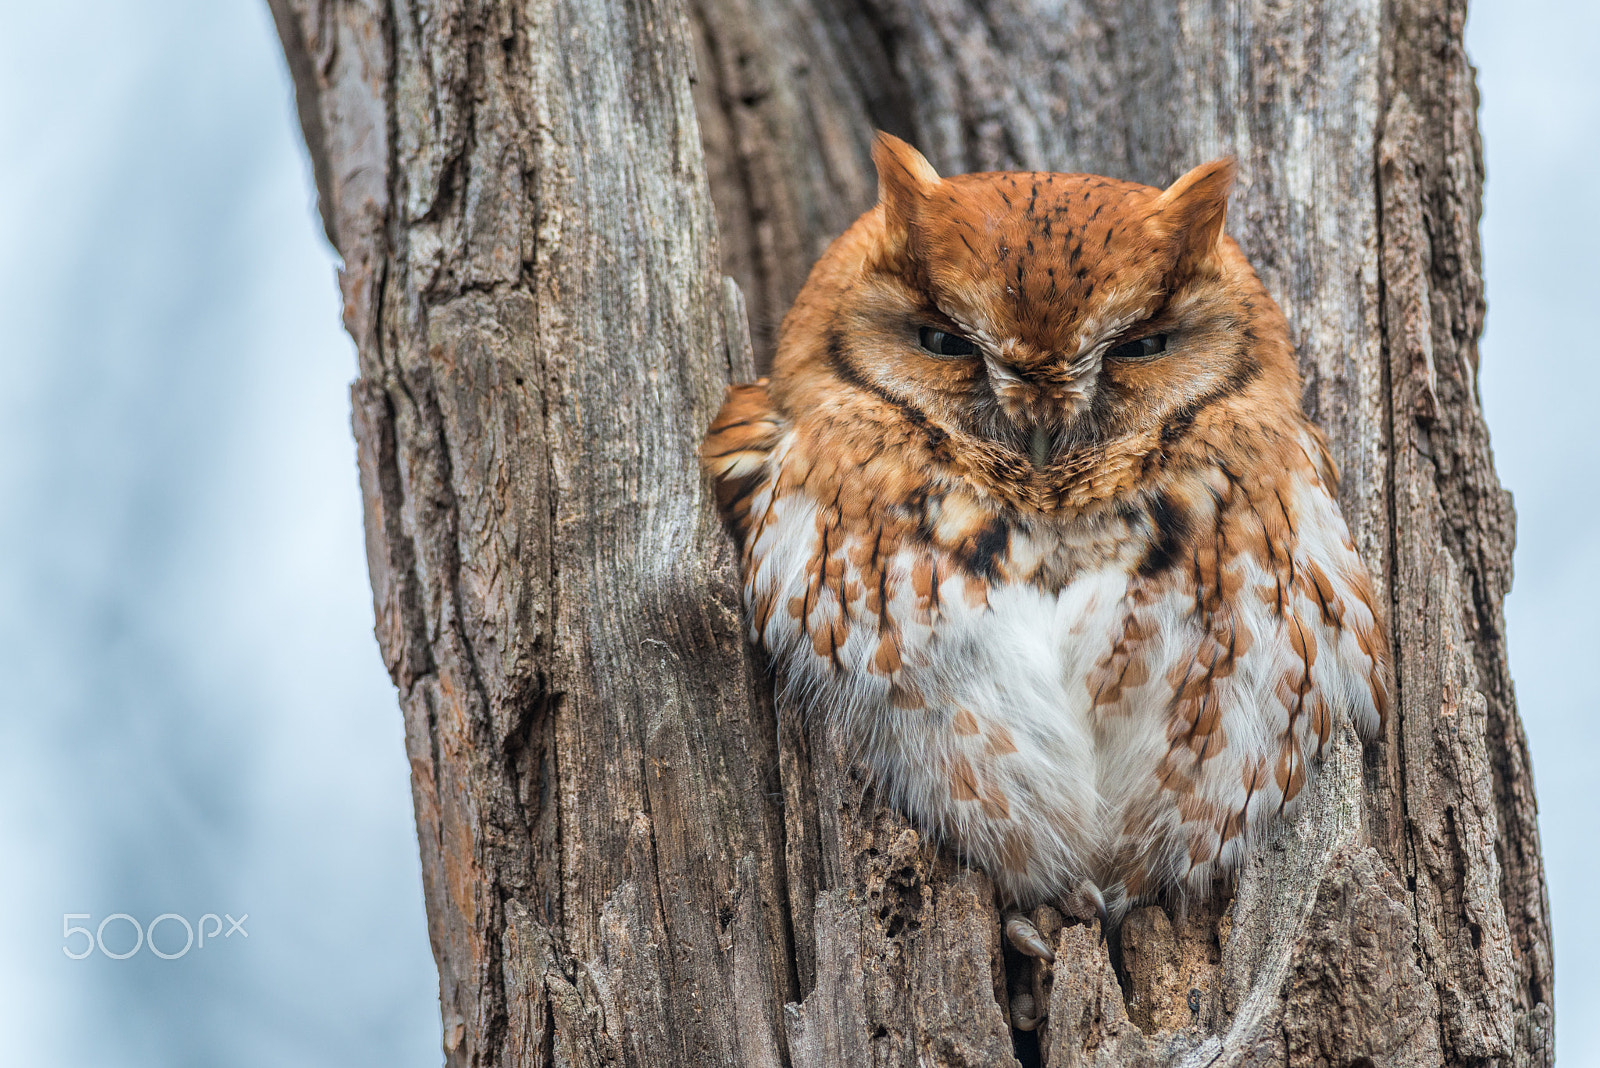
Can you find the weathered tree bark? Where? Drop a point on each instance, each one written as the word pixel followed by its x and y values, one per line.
pixel 628 856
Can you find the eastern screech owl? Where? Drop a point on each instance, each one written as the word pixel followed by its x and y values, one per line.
pixel 1029 509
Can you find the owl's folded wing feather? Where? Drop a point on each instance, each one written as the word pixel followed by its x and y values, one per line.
pixel 1261 638
pixel 736 451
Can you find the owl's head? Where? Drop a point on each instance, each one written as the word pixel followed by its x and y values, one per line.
pixel 1038 322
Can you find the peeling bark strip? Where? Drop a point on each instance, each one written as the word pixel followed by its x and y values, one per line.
pixel 628 858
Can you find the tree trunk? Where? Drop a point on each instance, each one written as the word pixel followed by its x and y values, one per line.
pixel 628 856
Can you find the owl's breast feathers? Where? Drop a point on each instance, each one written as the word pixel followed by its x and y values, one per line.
pixel 1114 695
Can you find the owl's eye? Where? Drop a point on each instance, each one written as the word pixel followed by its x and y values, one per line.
pixel 1141 349
pixel 941 343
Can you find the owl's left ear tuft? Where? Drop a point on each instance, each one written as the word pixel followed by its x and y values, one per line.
pixel 1191 211
pixel 905 180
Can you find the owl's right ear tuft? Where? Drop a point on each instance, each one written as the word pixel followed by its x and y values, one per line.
pixel 905 180
pixel 1191 211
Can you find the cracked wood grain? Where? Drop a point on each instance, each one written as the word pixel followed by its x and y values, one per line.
pixel 630 857
pixel 530 273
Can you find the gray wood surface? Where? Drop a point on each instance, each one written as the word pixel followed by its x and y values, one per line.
pixel 629 856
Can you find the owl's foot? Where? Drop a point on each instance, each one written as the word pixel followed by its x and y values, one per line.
pixel 1029 971
pixel 1087 904
pixel 1022 934
pixel 1092 892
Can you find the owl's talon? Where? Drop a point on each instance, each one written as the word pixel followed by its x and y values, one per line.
pixel 1095 897
pixel 1023 935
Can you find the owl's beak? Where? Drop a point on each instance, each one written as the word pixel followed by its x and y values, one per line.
pixel 1039 446
pixel 1027 404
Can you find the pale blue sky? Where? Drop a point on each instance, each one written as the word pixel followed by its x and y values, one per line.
pixel 1540 117
pixel 195 718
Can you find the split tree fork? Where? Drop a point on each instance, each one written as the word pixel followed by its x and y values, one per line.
pixel 629 856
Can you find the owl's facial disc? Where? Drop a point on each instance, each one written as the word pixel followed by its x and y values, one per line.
pixel 1033 405
pixel 1080 308
pixel 1010 382
pixel 1009 391
pixel 1029 325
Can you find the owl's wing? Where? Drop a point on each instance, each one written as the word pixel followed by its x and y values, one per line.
pixel 1248 651
pixel 736 454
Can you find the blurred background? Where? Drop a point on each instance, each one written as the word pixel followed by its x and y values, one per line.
pixel 193 715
